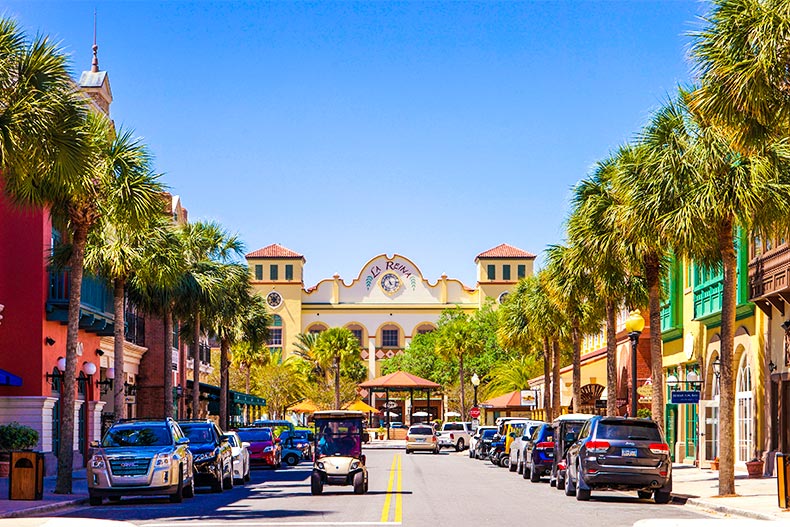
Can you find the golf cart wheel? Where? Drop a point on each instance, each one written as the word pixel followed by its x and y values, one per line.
pixel 504 461
pixel 292 459
pixel 359 483
pixel 316 486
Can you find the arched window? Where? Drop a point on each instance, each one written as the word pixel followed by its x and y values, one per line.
pixel 359 333
pixel 390 336
pixel 316 328
pixel 422 329
pixel 744 411
pixel 275 342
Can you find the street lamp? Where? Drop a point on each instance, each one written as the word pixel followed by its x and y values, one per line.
pixel 634 324
pixel 475 384
pixel 717 368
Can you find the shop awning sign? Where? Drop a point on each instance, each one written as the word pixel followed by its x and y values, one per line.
pixel 685 397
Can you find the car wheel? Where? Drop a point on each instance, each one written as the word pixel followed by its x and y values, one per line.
pixel 292 459
pixel 459 445
pixel 189 490
pixel 510 465
pixel 534 475
pixel 520 467
pixel 359 483
pixel 504 461
pixel 560 484
pixel 408 451
pixel 471 452
pixel 581 494
pixel 435 450
pixel 662 497
pixel 570 486
pixel 178 495
pixel 644 494
pixel 95 500
pixel 316 486
pixel 227 481
pixel 216 485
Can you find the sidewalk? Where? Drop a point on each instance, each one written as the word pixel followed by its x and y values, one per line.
pixel 51 501
pixel 756 498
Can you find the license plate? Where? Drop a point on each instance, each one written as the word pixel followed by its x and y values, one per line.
pixel 420 440
pixel 629 452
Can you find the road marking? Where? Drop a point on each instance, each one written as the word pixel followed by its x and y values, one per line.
pixel 203 523
pixel 385 512
pixel 399 495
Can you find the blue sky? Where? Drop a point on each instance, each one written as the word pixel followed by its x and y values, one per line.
pixel 345 130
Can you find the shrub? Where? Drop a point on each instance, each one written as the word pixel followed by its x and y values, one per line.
pixel 14 436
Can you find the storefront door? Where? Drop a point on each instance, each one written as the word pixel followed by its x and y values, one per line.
pixel 670 427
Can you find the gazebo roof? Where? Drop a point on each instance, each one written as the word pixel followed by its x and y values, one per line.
pixel 509 400
pixel 400 380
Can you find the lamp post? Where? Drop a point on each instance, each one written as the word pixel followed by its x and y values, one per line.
pixel 717 368
pixel 634 324
pixel 475 384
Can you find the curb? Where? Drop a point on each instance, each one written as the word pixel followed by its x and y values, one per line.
pixel 727 509
pixel 40 509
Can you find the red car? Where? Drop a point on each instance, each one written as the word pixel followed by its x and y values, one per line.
pixel 264 447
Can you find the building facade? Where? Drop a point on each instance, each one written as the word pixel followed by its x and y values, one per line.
pixel 385 305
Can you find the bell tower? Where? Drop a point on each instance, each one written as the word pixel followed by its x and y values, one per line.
pixel 500 268
pixel 96 83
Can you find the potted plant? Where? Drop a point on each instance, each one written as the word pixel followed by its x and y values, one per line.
pixel 714 465
pixel 755 466
pixel 14 436
pixel 382 432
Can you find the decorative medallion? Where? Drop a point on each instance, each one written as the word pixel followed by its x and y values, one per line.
pixel 390 283
pixel 274 299
pixel 503 296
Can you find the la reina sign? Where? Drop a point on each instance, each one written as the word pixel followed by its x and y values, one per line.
pixel 390 265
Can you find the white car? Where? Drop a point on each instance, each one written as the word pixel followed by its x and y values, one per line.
pixel 523 432
pixel 241 458
pixel 476 437
pixel 455 435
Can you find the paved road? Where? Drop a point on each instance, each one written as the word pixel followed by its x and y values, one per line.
pixel 414 490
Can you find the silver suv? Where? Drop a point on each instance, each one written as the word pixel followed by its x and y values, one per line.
pixel 141 457
pixel 457 435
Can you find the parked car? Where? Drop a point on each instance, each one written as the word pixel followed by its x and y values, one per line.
pixel 213 458
pixel 397 424
pixel 483 444
pixel 519 433
pixel 619 453
pixel 421 437
pixel 241 458
pixel 456 434
pixel 563 425
pixel 538 453
pixel 297 445
pixel 475 439
pixel 278 426
pixel 141 457
pixel 264 448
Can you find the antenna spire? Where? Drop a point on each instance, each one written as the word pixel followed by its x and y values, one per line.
pixel 95 61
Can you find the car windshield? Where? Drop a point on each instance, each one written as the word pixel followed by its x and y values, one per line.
pixel 255 434
pixel 136 435
pixel 488 434
pixel 634 431
pixel 198 434
pixel 339 437
pixel 421 431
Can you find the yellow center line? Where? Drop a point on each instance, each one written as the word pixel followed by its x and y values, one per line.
pixel 385 512
pixel 399 495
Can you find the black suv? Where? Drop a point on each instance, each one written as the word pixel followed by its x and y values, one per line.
pixel 213 458
pixel 538 453
pixel 619 453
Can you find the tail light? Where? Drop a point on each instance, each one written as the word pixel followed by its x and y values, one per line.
pixel 433 439
pixel 408 437
pixel 545 445
pixel 452 436
pixel 659 448
pixel 561 465
pixel 597 447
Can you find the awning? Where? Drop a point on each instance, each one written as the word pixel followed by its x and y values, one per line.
pixel 212 393
pixel 9 379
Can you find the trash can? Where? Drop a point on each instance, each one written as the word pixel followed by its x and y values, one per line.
pixel 783 479
pixel 26 477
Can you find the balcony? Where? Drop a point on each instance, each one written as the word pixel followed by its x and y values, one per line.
pixel 96 303
pixel 769 279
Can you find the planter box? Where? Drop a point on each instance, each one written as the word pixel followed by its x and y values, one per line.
pixel 755 469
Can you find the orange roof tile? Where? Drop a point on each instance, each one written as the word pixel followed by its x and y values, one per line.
pixel 505 251
pixel 399 379
pixel 274 250
pixel 509 400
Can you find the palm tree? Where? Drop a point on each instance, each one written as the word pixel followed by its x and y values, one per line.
pixel 511 375
pixel 334 347
pixel 205 245
pixel 122 238
pixel 741 59
pixel 225 317
pixel 457 340
pixel 255 333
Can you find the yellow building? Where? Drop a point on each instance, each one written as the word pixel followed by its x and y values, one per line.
pixel 385 305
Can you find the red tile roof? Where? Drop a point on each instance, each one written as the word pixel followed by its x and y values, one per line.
pixel 274 250
pixel 509 400
pixel 505 251
pixel 399 379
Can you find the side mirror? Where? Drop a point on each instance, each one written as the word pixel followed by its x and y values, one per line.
pixel 182 441
pixel 245 444
pixel 95 444
pixel 570 437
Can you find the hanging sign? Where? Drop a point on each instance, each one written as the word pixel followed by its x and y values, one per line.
pixel 685 397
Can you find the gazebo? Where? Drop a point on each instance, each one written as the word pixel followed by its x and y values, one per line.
pixel 400 381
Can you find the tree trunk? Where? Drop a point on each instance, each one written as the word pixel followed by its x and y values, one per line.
pixel 167 364
pixel 653 277
pixel 611 359
pixel 224 382
pixel 727 387
pixel 577 367
pixel 118 395
pixel 337 382
pixel 248 367
pixel 196 366
pixel 547 380
pixel 68 388
pixel 462 384
pixel 556 403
